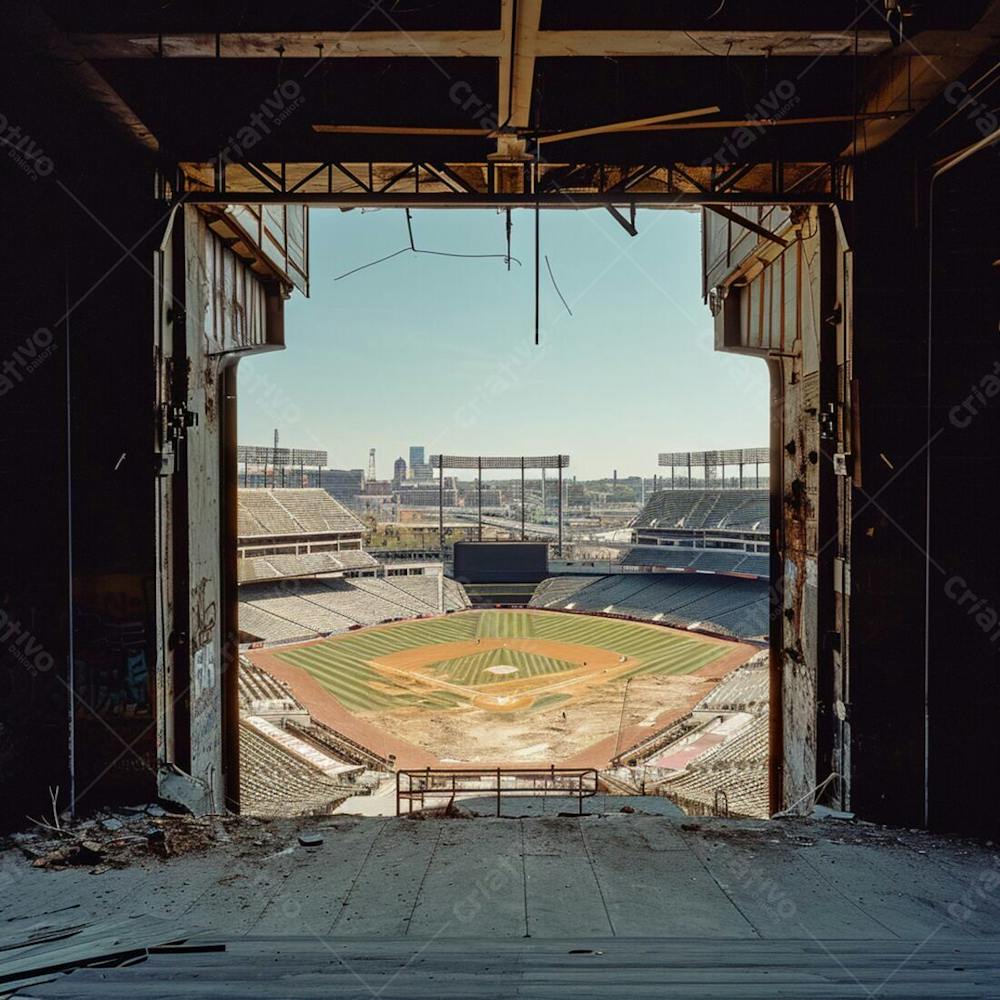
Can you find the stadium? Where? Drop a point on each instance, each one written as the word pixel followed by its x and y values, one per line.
pixel 495 724
pixel 509 653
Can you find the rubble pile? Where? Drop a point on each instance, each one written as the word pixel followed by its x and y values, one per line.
pixel 126 835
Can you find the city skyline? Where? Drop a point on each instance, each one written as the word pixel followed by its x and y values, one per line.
pixel 366 368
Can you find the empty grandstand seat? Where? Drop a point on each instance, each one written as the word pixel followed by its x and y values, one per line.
pixel 698 509
pixel 273 512
pixel 731 605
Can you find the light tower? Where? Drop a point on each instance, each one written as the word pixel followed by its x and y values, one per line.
pixel 371 463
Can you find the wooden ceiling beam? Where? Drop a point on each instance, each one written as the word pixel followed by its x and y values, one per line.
pixel 515 82
pixel 294 45
pixel 918 72
pixel 708 43
pixel 530 43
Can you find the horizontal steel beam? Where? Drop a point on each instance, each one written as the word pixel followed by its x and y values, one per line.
pixel 451 199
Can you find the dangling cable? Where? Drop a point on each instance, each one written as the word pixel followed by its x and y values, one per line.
pixel 562 298
pixel 538 214
pixel 413 248
pixel 508 237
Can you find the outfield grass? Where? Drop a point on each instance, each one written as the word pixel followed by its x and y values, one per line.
pixel 342 665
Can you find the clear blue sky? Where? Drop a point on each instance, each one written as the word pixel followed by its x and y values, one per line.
pixel 439 351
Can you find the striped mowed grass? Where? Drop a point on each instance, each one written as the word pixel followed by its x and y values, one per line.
pixel 346 665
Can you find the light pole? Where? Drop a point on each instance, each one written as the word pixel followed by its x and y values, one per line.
pixel 621 721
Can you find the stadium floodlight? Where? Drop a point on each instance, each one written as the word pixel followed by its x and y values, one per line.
pixel 500 462
pixel 268 455
pixel 713 459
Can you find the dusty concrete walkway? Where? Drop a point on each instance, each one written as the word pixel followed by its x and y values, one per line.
pixel 542 907
pixel 625 875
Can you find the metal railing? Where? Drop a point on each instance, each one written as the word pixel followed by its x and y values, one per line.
pixel 444 783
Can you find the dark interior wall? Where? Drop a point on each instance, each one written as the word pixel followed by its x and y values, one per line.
pixel 964 575
pixel 75 199
pixel 893 567
pixel 887 568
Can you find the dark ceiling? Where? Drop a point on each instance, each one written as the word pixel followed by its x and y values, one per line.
pixel 194 105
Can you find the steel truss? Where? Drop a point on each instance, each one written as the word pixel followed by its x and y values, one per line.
pixel 509 184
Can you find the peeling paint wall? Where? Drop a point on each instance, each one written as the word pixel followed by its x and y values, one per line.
pixel 225 310
pixel 769 303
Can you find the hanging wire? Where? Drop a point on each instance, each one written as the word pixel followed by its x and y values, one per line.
pixel 556 287
pixel 508 227
pixel 538 222
pixel 413 248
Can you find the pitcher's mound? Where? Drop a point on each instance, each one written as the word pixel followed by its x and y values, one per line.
pixel 501 668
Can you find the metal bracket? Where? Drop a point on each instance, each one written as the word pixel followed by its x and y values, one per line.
pixel 627 224
pixel 175 420
pixel 828 424
pixel 842 463
pixel 178 419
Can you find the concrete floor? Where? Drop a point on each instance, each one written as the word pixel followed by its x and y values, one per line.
pixel 626 875
pixel 544 908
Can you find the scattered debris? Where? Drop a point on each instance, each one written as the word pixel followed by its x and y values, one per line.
pixel 449 811
pixel 825 812
pixel 130 835
pixel 38 953
pixel 86 852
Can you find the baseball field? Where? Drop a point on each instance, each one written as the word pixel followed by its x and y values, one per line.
pixel 519 684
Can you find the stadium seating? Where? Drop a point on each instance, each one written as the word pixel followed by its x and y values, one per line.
pixel 261 624
pixel 729 605
pixel 705 509
pixel 290 764
pixel 665 556
pixel 339 745
pixel 707 560
pixel 275 567
pixel 558 589
pixel 266 696
pixel 730 777
pixel 744 690
pixel 269 513
pixel 424 588
pixel 275 782
pixel 300 609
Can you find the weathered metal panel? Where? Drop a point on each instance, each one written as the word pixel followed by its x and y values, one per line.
pixel 281 233
pixel 771 308
pixel 727 245
pixel 225 313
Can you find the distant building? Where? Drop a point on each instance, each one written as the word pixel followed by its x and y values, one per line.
pixel 417 494
pixel 343 484
pixel 419 469
pixel 398 471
